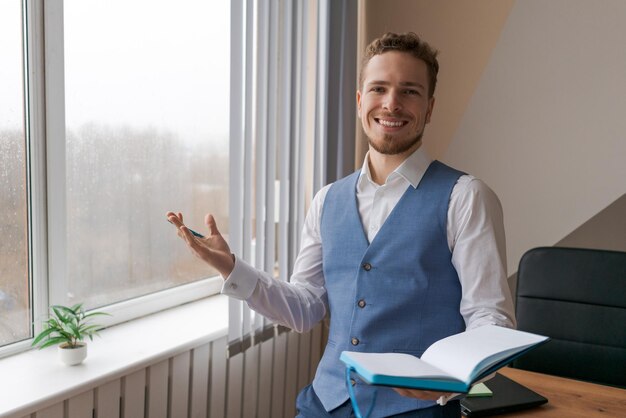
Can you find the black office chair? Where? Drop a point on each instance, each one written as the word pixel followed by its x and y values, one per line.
pixel 578 298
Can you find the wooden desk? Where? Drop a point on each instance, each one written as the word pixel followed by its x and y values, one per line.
pixel 568 398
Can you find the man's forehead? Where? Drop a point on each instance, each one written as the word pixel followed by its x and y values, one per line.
pixel 396 65
pixel 403 83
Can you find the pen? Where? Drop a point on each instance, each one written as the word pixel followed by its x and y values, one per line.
pixel 197 234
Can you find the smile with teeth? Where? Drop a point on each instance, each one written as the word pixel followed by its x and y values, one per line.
pixel 390 123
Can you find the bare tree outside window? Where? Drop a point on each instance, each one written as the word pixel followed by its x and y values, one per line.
pixel 147 111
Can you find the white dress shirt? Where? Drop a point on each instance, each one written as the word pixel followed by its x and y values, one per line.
pixel 475 234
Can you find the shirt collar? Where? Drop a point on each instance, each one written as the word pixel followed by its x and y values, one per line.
pixel 411 170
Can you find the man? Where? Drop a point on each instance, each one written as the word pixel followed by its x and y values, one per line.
pixel 401 254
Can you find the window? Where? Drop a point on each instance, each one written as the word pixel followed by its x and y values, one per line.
pixel 146 121
pixel 127 119
pixel 14 288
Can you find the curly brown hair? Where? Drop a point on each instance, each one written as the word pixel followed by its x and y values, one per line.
pixel 404 42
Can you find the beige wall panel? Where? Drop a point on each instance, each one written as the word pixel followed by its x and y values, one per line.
pixel 545 127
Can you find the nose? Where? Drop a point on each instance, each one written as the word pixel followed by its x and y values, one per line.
pixel 392 102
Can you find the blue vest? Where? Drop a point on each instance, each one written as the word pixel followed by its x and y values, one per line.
pixel 399 293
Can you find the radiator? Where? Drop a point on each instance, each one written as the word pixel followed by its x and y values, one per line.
pixel 261 382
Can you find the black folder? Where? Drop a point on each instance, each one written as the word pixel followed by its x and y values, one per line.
pixel 508 396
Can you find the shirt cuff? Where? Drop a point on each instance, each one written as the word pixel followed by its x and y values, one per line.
pixel 241 282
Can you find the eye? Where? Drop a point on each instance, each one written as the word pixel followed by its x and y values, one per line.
pixel 412 92
pixel 377 89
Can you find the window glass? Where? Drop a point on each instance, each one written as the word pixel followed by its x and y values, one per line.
pixel 14 290
pixel 147 120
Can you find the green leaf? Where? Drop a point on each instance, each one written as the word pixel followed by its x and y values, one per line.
pixel 75 331
pixel 65 335
pixel 89 329
pixel 67 327
pixel 43 334
pixel 59 314
pixel 97 313
pixel 70 312
pixel 88 325
pixel 53 341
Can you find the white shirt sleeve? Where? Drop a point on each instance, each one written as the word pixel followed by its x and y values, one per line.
pixel 299 304
pixel 477 241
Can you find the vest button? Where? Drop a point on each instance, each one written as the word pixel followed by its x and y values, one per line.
pixel 354 341
pixel 367 266
pixel 361 303
pixel 352 382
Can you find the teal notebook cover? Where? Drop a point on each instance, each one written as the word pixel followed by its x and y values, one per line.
pixel 452 364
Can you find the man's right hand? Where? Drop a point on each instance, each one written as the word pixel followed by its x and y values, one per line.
pixel 212 249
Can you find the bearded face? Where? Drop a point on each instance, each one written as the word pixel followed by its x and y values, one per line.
pixel 393 105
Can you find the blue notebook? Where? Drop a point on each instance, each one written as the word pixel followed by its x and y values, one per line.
pixel 452 364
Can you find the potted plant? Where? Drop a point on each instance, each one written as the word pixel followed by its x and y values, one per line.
pixel 68 327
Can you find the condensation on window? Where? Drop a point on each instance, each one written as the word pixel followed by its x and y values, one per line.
pixel 147 125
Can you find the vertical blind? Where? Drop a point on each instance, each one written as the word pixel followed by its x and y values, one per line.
pixel 281 141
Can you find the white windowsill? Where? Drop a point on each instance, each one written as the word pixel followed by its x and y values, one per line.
pixel 36 378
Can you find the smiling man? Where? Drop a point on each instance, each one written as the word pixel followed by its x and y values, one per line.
pixel 394 102
pixel 402 253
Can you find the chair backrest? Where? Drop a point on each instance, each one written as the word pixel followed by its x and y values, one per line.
pixel 578 298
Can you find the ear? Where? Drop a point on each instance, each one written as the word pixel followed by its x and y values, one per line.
pixel 431 105
pixel 358 103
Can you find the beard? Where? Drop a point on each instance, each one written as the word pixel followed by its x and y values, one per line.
pixel 392 146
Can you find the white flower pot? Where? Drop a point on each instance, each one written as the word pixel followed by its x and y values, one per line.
pixel 73 356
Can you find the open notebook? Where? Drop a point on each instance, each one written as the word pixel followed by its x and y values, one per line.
pixel 451 364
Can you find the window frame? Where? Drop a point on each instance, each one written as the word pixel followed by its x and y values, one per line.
pixel 44 121
pixel 55 132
